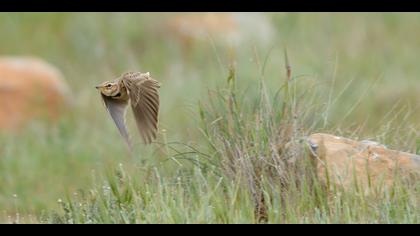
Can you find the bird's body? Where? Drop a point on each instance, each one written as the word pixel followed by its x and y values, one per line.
pixel 141 92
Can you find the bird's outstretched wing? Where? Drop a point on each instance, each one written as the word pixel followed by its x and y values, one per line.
pixel 117 109
pixel 144 97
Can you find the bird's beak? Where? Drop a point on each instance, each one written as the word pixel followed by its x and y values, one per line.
pixel 97 86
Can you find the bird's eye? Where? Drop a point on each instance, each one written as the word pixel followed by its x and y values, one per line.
pixel 108 85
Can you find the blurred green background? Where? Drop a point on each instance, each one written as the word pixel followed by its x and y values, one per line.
pixel 364 65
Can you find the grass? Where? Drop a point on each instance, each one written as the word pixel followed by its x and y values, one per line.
pixel 225 119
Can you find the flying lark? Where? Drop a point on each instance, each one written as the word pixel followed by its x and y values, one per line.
pixel 141 91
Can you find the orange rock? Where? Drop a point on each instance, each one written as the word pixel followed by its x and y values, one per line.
pixel 201 25
pixel 344 160
pixel 229 29
pixel 29 88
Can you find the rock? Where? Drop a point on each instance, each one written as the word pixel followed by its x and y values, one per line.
pixel 201 25
pixel 29 88
pixel 371 162
pixel 231 29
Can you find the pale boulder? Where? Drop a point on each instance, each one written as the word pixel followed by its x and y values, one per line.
pixel 30 89
pixel 229 29
pixel 371 164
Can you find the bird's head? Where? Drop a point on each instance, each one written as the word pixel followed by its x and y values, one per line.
pixel 109 88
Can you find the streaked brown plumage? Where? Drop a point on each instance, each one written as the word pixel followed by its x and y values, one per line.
pixel 141 91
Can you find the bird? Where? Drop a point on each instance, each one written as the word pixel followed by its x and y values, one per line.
pixel 139 90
